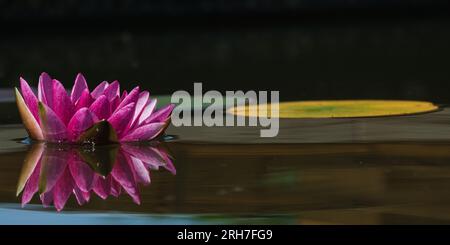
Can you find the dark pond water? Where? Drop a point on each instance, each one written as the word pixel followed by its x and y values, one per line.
pixel 356 171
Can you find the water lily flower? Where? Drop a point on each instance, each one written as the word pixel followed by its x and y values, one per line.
pixel 56 172
pixel 102 115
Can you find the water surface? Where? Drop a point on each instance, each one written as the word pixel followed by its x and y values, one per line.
pixel 348 182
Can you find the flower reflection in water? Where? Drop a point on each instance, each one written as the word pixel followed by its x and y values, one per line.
pixel 57 171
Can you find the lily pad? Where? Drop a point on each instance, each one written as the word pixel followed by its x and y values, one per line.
pixel 338 109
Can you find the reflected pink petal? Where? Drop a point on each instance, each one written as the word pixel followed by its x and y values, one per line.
pixel 30 163
pixel 62 190
pixel 148 155
pixel 32 185
pixel 123 173
pixel 53 164
pixel 62 171
pixel 102 187
pixel 141 173
pixel 115 188
pixel 169 164
pixel 82 197
pixel 46 198
pixel 83 176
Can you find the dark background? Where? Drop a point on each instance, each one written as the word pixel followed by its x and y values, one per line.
pixel 307 49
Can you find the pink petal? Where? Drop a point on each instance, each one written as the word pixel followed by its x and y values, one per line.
pixel 30 163
pixel 141 173
pixel 101 107
pixel 160 115
pixel 112 91
pixel 85 100
pixel 123 173
pixel 124 94
pixel 31 124
pixel 45 89
pixel 53 128
pixel 82 197
pixel 53 165
pixel 115 188
pixel 79 86
pixel 147 154
pixel 120 119
pixel 82 174
pixel 99 89
pixel 169 164
pixel 47 198
pixel 80 122
pixel 31 186
pixel 63 106
pixel 62 190
pixel 29 98
pixel 114 103
pixel 146 132
pixel 140 104
pixel 148 110
pixel 130 98
pixel 102 187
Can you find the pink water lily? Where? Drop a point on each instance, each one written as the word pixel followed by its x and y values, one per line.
pixel 103 115
pixel 56 173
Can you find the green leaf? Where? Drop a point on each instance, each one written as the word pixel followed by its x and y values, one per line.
pixel 100 133
pixel 100 158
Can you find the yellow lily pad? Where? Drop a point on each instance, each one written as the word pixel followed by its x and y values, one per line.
pixel 339 108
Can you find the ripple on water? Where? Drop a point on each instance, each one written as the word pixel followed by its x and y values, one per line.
pixel 11 137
